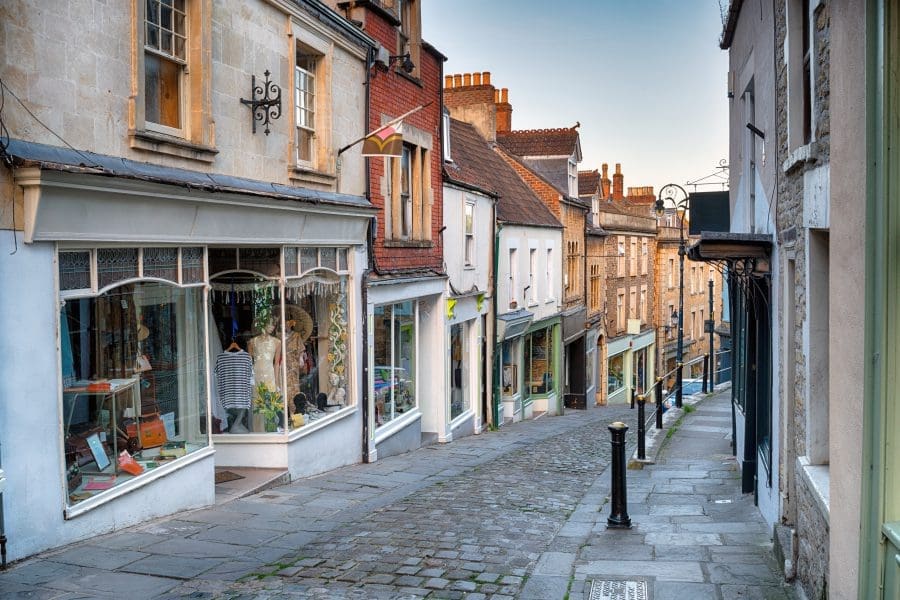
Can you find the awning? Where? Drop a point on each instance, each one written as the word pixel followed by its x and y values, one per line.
pixel 727 246
pixel 513 324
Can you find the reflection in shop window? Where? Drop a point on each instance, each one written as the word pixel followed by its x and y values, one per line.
pixel 459 362
pixel 539 361
pixel 510 373
pixel 616 374
pixel 394 369
pixel 134 383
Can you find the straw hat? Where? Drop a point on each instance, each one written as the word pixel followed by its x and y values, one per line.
pixel 302 322
pixel 142 332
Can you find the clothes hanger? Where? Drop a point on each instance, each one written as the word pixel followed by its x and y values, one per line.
pixel 233 347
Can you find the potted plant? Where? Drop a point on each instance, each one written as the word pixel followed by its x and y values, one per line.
pixel 267 404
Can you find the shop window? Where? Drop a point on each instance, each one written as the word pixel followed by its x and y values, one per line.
pixel 460 392
pixel 84 272
pixel 394 369
pixel 510 374
pixel 257 318
pixel 134 380
pixel 615 375
pixel 539 361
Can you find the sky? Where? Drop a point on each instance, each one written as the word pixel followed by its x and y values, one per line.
pixel 645 78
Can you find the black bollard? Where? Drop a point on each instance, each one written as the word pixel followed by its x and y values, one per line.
pixel 631 395
pixel 618 518
pixel 659 401
pixel 642 428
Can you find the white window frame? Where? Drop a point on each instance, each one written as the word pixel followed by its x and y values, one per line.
pixel 307 108
pixel 163 55
pixel 469 233
pixel 532 270
pixel 550 283
pixel 513 283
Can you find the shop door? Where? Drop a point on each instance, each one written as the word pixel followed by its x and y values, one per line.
pixel 575 375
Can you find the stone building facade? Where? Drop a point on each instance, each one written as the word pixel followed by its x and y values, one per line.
pixel 802 218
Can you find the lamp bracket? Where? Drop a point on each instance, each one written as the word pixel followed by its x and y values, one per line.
pixel 264 102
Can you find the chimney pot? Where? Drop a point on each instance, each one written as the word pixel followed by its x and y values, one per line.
pixel 504 95
pixel 618 168
pixel 476 78
pixel 448 81
pixel 457 80
pixel 605 170
pixel 486 77
pixel 496 96
pixel 467 79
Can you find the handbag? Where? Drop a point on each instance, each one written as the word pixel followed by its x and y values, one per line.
pixel 152 431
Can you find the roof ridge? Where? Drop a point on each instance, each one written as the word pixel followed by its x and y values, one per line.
pixel 542 130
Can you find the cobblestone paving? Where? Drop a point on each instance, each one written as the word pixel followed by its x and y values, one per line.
pixel 474 533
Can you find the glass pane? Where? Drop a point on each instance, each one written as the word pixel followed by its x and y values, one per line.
pixel 222 259
pixel 116 264
pixel 540 377
pixel 75 270
pixel 134 374
pixel 162 91
pixel 342 259
pixel 615 375
pixel 328 258
pixel 290 261
pixel 510 374
pixel 191 265
pixel 309 259
pixel 316 353
pixel 395 361
pixel 161 263
pixel 262 260
pixel 460 392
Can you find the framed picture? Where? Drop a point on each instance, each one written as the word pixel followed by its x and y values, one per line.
pixel 97 451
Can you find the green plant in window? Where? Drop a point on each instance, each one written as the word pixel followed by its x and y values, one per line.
pixel 262 309
pixel 268 404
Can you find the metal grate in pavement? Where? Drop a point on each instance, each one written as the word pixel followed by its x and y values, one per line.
pixel 619 589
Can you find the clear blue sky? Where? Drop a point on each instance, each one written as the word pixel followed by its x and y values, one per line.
pixel 645 78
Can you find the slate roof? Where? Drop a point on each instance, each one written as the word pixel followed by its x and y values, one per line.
pixel 476 164
pixel 562 141
pixel 588 182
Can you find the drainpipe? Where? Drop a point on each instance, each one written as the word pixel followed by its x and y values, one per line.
pixel 498 347
pixel 370 257
pixel 2 527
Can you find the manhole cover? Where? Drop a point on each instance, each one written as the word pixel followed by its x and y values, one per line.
pixel 619 589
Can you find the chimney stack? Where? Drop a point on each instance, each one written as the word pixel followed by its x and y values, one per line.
pixel 605 183
pixel 618 183
pixel 470 97
pixel 504 112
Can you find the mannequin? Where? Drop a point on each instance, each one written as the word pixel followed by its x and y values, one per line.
pixel 337 394
pixel 265 349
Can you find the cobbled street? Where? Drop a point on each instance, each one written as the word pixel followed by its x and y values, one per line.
pixel 475 515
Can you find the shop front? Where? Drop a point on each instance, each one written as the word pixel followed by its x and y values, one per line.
pixel 465 332
pixel 629 366
pixel 170 330
pixel 542 358
pixel 405 345
pixel 511 328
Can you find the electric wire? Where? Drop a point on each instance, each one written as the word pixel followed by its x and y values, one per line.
pixel 88 162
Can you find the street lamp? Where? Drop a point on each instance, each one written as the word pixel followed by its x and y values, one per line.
pixel 670 193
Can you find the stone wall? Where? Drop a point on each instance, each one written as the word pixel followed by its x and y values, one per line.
pixel 800 508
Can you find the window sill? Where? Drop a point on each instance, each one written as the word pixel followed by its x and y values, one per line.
pixel 469 268
pixel 799 156
pixel 383 432
pixel 312 176
pixel 85 506
pixel 408 244
pixel 817 479
pixel 161 143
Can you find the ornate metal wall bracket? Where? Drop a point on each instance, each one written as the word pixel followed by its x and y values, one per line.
pixel 264 102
